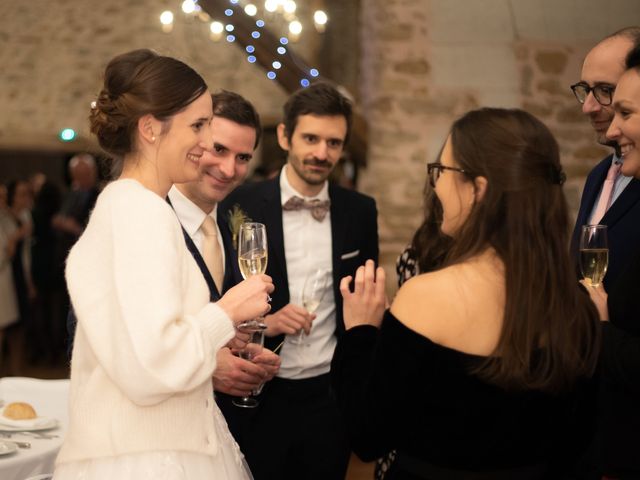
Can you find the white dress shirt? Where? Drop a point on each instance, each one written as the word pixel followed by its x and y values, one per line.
pixel 307 248
pixel 191 218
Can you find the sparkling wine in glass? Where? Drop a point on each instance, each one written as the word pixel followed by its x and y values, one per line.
pixel 594 253
pixel 252 349
pixel 312 293
pixel 252 259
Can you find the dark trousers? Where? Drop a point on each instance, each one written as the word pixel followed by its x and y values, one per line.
pixel 297 433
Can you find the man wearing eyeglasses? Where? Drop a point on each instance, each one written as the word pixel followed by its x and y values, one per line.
pixel 608 197
pixel 611 199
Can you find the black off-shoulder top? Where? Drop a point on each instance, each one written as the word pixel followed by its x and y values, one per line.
pixel 399 390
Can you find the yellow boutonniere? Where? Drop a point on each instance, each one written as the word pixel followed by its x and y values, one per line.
pixel 237 217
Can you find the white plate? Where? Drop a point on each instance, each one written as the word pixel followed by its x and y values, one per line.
pixel 7 448
pixel 45 425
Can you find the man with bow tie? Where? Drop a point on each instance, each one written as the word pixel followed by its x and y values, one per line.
pixel 312 226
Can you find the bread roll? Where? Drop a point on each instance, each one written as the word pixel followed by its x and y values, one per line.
pixel 19 411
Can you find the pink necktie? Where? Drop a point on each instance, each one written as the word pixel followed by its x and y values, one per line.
pixel 607 189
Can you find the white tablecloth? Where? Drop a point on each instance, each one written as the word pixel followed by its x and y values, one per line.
pixel 50 399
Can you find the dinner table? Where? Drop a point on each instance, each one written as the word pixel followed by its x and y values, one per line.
pixel 29 451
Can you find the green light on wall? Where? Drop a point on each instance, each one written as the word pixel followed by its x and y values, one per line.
pixel 67 134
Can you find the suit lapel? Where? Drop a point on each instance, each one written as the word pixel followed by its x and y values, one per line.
pixel 627 199
pixel 592 189
pixel 232 275
pixel 338 228
pixel 272 214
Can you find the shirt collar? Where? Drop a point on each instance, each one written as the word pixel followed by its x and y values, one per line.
pixel 287 191
pixel 189 214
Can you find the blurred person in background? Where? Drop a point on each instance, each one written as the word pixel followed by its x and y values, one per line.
pixel 46 340
pixel 8 302
pixel 19 201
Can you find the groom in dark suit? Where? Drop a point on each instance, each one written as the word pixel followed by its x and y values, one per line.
pixel 236 133
pixel 602 68
pixel 314 228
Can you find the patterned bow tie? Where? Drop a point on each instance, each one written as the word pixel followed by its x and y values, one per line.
pixel 318 208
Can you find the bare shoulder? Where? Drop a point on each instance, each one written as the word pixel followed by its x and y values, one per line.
pixel 460 306
pixel 424 302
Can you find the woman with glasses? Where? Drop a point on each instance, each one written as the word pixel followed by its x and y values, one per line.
pixel 619 413
pixel 483 368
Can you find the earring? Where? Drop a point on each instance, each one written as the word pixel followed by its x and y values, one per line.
pixel 153 139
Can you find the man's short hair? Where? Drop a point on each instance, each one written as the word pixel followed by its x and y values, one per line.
pixel 632 33
pixel 320 99
pixel 633 59
pixel 238 109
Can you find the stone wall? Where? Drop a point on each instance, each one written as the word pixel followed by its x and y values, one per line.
pixel 53 53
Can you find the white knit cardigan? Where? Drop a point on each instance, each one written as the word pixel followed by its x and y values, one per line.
pixel 147 336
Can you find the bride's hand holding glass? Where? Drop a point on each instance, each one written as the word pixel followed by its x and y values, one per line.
pixel 366 304
pixel 247 300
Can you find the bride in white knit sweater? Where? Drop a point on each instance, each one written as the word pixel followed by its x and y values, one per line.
pixel 141 399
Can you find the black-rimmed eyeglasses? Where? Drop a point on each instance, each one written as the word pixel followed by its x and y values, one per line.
pixel 602 92
pixel 434 170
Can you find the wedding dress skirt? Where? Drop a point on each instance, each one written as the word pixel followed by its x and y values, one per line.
pixel 228 464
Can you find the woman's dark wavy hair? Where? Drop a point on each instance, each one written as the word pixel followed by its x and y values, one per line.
pixel 138 83
pixel 429 246
pixel 550 333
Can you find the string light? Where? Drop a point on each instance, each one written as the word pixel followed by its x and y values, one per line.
pixel 166 19
pixel 320 20
pixel 295 29
pixel 285 8
pixel 188 6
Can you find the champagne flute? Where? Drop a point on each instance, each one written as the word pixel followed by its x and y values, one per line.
pixel 594 253
pixel 312 293
pixel 252 349
pixel 252 259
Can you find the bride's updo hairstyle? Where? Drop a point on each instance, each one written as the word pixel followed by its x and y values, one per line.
pixel 139 83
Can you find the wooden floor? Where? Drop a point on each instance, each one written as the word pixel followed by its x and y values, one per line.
pixel 357 469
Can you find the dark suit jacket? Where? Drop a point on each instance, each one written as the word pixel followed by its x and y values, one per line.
pixel 622 220
pixel 619 409
pixel 354 231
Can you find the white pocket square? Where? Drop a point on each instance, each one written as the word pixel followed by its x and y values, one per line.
pixel 349 255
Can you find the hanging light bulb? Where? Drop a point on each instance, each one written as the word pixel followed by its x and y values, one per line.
pixel 166 19
pixel 290 6
pixel 271 5
pixel 320 20
pixel 250 9
pixel 188 6
pixel 216 29
pixel 295 29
